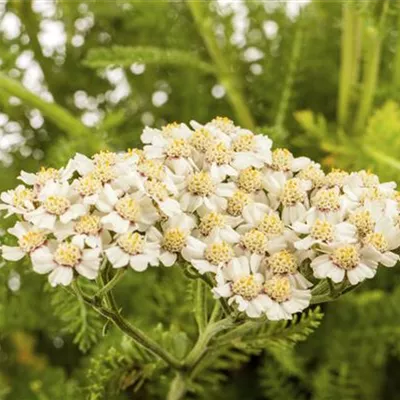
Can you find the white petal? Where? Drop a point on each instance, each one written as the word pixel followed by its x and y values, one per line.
pixel 61 276
pixel 12 253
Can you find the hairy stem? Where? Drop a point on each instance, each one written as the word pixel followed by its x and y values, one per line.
pixel 289 81
pixel 133 332
pixel 110 284
pixel 224 70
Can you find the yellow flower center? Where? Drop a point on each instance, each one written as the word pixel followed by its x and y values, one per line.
pixel 282 262
pixel 282 160
pixel 247 287
pixel 47 174
pixel 131 242
pixel 372 194
pixel 313 174
pixel 336 178
pixel 271 225
pixel 178 148
pixel 174 240
pixel 225 124
pixel 237 202
pixel 67 254
pixel 201 140
pixel 88 225
pixel 346 257
pixel 137 152
pixel 292 193
pixel 21 196
pixel 218 253
pixel 278 288
pixel 89 185
pixel 200 184
pixel 210 222
pixel 327 200
pixel 127 208
pixel 167 130
pixel 157 190
pixel 105 158
pixel 250 180
pixel 219 154
pixel 244 143
pixel 378 241
pixel 369 179
pixel 32 240
pixel 104 173
pixel 56 205
pixel 152 169
pixel 322 230
pixel 362 220
pixel 255 241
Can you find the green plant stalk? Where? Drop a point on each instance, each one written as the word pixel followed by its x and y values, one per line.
pixel 226 78
pixel 200 305
pixel 133 332
pixel 58 115
pixel 371 71
pixel 110 284
pixel 290 77
pixel 346 63
pixel 396 63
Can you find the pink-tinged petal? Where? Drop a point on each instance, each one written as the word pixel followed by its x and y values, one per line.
pixel 12 253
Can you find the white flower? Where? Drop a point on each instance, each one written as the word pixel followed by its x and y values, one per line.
pixel 87 230
pixel 173 238
pixel 218 226
pixel 286 263
pixel 290 193
pixel 284 299
pixel 251 151
pixel 241 282
pixel 207 256
pixel 124 213
pixel 346 260
pixel 29 237
pixel 45 175
pixel 18 201
pixel 323 232
pixel 57 203
pixel 173 130
pixel 134 249
pixel 205 190
pixel 284 161
pixel 61 260
pixel 381 242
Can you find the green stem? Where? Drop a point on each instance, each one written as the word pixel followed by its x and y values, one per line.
pixel 346 64
pixel 133 332
pixel 201 345
pixel 372 59
pixel 200 307
pixel 382 157
pixel 178 388
pixel 110 284
pixel 216 312
pixel 396 64
pixel 289 81
pixel 224 71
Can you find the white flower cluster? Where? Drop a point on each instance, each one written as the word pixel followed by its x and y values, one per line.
pixel 217 196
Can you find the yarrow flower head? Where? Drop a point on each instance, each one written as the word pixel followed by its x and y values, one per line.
pixel 261 225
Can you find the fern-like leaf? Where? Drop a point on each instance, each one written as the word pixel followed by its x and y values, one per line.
pixel 102 57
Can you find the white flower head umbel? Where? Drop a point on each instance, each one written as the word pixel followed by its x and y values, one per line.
pixel 261 225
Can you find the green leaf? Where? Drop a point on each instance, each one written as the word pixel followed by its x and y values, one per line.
pixel 102 57
pixel 79 319
pixel 55 113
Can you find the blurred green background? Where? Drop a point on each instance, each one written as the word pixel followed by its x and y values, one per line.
pixel 319 77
